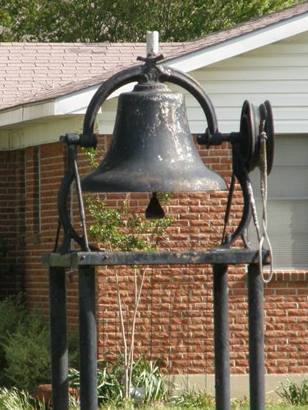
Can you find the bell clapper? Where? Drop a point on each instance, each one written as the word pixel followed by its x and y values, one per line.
pixel 154 209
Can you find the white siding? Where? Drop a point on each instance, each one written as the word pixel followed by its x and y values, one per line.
pixel 277 72
pixel 38 132
pixel 287 202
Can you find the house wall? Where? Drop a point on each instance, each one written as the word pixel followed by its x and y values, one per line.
pixel 277 72
pixel 175 320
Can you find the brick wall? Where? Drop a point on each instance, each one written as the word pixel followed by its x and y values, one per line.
pixel 174 322
pixel 42 225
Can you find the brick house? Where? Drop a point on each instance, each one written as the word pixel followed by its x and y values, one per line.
pixel 45 89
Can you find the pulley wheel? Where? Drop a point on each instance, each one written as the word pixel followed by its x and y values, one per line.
pixel 253 121
pixel 269 129
pixel 249 132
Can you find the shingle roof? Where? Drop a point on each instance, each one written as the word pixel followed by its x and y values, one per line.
pixel 248 27
pixel 30 69
pixel 32 72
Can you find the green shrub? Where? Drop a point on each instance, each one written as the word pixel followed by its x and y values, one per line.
pixel 148 383
pixel 241 404
pixel 12 312
pixel 73 349
pixel 193 400
pixel 27 353
pixel 14 399
pixel 109 387
pixel 25 346
pixel 148 379
pixel 293 393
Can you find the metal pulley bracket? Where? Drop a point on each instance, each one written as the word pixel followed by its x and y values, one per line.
pixel 257 150
pixel 247 154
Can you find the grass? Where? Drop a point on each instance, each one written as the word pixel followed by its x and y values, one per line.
pixel 236 406
pixel 14 399
pixel 204 402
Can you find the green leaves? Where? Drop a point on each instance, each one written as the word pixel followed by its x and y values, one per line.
pixel 293 393
pixel 125 20
pixel 147 377
pixel 147 380
pixel 34 20
pixel 27 353
pixel 18 400
pixel 122 228
pixel 193 400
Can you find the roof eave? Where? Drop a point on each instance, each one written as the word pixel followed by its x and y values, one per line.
pixel 240 44
pixel 77 101
pixel 27 112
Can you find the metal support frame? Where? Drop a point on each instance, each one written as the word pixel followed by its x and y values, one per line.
pixel 58 334
pixel 256 338
pixel 88 339
pixel 246 156
pixel 214 256
pixel 221 337
pixel 85 262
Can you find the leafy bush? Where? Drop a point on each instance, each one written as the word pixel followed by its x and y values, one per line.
pixel 122 229
pixel 27 353
pixel 12 312
pixel 293 393
pixel 108 386
pixel 73 348
pixel 148 383
pixel 148 379
pixel 25 346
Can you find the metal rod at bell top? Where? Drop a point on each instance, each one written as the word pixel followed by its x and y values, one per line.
pixel 152 43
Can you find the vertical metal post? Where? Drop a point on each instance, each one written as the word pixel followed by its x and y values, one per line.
pixel 58 335
pixel 88 339
pixel 256 338
pixel 221 337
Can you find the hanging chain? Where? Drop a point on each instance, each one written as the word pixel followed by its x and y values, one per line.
pixel 263 189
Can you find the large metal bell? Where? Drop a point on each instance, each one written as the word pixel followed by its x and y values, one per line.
pixel 152 149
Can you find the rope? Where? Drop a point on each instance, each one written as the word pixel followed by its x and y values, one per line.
pixel 263 189
pixel 228 208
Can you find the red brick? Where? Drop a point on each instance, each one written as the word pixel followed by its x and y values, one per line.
pixel 175 321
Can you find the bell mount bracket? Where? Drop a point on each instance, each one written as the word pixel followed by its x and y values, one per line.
pixel 246 156
pixel 141 74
